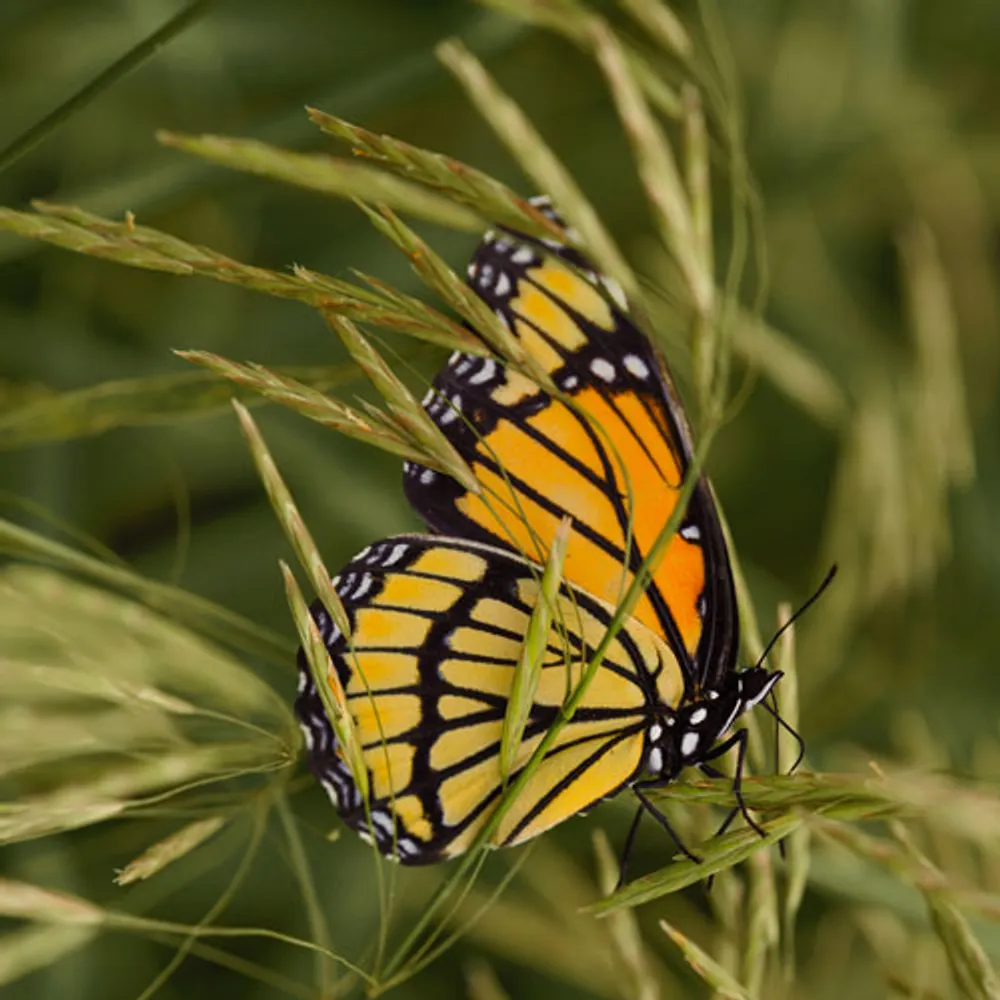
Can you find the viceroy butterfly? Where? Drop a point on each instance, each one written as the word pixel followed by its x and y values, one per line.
pixel 437 620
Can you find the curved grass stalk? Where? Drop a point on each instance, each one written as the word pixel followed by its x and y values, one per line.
pixel 632 596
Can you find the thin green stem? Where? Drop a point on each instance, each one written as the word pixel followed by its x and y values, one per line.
pixel 632 596
pixel 120 68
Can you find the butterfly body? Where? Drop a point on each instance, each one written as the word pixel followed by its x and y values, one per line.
pixel 438 621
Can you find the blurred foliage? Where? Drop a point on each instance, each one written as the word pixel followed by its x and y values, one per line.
pixel 866 431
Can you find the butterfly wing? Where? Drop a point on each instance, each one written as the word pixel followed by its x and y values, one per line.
pixel 612 453
pixel 437 627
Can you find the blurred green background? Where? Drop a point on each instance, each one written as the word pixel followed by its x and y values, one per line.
pixel 870 125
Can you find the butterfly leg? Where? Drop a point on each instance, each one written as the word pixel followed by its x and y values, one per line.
pixel 639 789
pixel 627 850
pixel 740 740
pixel 711 772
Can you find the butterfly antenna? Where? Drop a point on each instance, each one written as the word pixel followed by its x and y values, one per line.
pixel 798 614
pixel 771 704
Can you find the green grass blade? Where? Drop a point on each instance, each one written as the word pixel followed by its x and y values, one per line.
pixel 310 403
pixel 624 929
pixel 291 521
pixel 151 401
pixel 144 247
pixel 460 182
pixel 662 24
pixel 318 924
pixel 33 948
pixel 721 981
pixel 212 619
pixel 528 671
pixel 438 276
pixel 22 900
pixel 407 415
pixel 717 855
pixel 327 682
pixel 132 60
pixel 325 174
pixel 164 852
pixel 540 163
pixel 657 168
pixel 573 21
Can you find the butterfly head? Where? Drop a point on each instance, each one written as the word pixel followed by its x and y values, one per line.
pixel 688 737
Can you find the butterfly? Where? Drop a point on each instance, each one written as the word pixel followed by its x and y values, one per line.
pixel 437 621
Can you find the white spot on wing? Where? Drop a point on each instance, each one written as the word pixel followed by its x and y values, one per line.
pixel 698 716
pixel 656 760
pixel 363 587
pixel 503 284
pixel 691 533
pixel 603 369
pixel 634 364
pixel 689 744
pixel 405 847
pixel 307 735
pixel 383 821
pixel 655 732
pixel 486 372
pixel 331 791
pixel 450 415
pixel 397 553
pixel 523 255
pixel 427 477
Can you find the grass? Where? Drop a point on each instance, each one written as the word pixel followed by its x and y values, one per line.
pixel 146 733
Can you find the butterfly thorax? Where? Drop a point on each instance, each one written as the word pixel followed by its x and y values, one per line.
pixel 689 735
